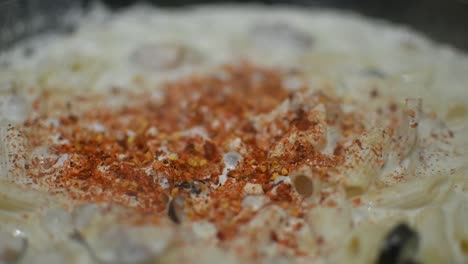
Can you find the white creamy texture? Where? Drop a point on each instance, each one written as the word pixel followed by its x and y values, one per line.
pixel 343 44
pixel 346 51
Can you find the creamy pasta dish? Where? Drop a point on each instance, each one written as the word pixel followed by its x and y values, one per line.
pixel 233 134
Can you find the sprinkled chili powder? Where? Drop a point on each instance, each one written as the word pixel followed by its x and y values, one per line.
pixel 144 151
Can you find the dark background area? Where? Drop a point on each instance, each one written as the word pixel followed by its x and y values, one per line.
pixel 443 20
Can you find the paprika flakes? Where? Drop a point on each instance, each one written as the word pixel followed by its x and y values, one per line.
pixel 146 153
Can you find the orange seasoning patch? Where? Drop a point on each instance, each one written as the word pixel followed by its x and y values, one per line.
pixel 150 149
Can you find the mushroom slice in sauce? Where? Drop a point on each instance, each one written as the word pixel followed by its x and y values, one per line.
pixel 163 56
pixel 279 35
pixel 12 248
pixel 129 244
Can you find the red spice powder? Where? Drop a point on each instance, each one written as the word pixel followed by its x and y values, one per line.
pixel 144 154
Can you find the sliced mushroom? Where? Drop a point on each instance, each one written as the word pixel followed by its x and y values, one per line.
pixel 163 56
pixel 83 215
pixel 12 248
pixel 57 253
pixel 280 36
pixel 97 230
pixel 57 223
pixel 130 244
pixel 15 108
pixel 198 253
pixel 110 242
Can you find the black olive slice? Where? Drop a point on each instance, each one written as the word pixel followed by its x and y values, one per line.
pixel 399 246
